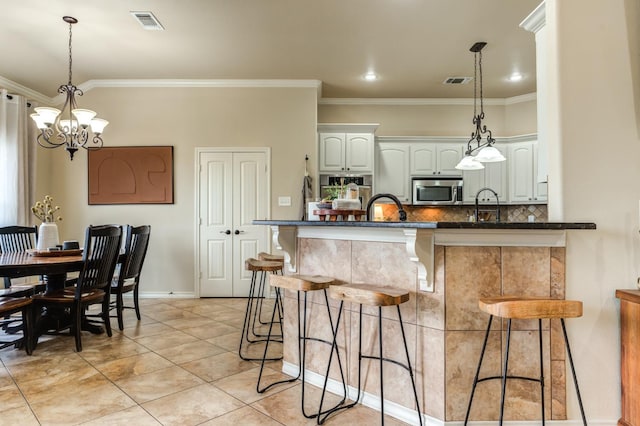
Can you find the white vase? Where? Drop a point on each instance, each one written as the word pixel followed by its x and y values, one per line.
pixel 47 235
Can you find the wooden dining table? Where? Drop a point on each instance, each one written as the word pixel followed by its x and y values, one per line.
pixel 53 268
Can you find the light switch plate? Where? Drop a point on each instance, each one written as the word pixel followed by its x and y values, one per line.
pixel 284 201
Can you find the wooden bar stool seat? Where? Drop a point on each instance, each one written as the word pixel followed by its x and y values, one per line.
pixel 253 313
pixel 526 308
pixel 376 296
pixel 302 284
pixel 271 257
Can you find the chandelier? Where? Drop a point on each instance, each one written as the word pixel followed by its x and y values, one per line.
pixel 479 151
pixel 72 127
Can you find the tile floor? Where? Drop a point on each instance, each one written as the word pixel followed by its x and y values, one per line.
pixel 177 366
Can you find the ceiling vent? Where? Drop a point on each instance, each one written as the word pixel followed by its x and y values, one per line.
pixel 148 21
pixel 457 80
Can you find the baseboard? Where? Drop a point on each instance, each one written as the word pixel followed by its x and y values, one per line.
pixel 409 416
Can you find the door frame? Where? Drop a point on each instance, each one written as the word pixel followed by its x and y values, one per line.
pixel 200 150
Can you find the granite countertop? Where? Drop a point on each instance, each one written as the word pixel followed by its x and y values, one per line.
pixel 436 225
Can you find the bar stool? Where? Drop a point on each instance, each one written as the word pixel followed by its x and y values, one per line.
pixel 513 307
pixel 259 270
pixel 271 258
pixel 301 284
pixel 370 295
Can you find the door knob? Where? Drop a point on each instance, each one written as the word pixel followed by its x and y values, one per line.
pixel 237 232
pixel 228 232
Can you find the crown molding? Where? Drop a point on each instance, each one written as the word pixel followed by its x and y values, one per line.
pixel 536 19
pixel 425 101
pixel 19 89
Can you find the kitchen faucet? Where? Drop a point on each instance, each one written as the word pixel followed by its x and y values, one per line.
pixel 497 210
pixel 401 212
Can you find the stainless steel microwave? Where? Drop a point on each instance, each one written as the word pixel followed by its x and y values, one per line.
pixel 436 191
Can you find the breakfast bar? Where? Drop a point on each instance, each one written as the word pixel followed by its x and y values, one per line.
pixel 446 267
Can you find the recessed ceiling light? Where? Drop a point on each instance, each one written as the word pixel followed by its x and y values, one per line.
pixel 370 76
pixel 516 76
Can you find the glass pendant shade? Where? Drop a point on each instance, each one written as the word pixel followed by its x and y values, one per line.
pixel 489 154
pixel 47 115
pixel 84 116
pixel 469 162
pixel 39 121
pixel 98 125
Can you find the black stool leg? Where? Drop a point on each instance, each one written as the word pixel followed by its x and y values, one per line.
pixel 406 351
pixel 541 368
pixel 573 372
pixel 504 371
pixel 475 379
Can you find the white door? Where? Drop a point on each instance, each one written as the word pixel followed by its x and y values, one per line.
pixel 233 191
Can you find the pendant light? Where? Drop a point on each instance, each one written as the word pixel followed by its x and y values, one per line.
pixel 72 127
pixel 479 151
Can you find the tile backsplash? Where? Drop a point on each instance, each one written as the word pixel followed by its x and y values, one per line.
pixel 510 213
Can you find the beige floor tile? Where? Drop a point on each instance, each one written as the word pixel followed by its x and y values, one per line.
pixel 208 331
pixel 135 415
pixel 192 406
pixel 145 330
pixel 135 365
pixel 245 416
pixel 166 340
pixel 229 341
pixel 11 398
pixel 190 351
pixel 50 369
pixel 243 385
pixel 113 349
pixel 190 322
pixel 218 366
pixel 150 386
pixel 22 416
pixel 80 401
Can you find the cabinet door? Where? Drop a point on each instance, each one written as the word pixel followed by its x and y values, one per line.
pixel 449 155
pixel 472 182
pixel 392 166
pixel 359 152
pixel 423 159
pixel 332 152
pixel 539 188
pixel 521 172
pixel 495 177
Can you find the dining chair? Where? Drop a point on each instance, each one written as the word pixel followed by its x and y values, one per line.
pixel 128 278
pixel 15 239
pixel 101 249
pixel 13 305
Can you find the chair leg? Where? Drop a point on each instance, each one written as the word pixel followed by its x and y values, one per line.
pixel 27 329
pixel 573 372
pixel 105 314
pixel 476 378
pixel 119 309
pixel 77 319
pixel 136 304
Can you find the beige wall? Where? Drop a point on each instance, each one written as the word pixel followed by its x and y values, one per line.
pixel 434 120
pixel 282 119
pixel 599 145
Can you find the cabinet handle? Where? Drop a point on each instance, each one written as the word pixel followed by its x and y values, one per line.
pixel 348 168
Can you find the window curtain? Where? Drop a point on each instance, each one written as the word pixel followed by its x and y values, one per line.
pixel 17 161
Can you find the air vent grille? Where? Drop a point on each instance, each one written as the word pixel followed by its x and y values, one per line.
pixel 148 21
pixel 457 80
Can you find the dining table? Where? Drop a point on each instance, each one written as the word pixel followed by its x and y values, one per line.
pixel 53 267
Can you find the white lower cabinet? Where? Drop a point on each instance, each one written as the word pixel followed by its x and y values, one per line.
pixel 392 170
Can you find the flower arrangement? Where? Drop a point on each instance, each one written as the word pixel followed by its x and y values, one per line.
pixel 45 210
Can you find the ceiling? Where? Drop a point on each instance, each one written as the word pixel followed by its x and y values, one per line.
pixel 412 45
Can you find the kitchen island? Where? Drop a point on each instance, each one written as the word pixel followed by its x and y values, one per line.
pixel 447 267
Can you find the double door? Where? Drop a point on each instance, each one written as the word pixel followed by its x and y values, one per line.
pixel 233 191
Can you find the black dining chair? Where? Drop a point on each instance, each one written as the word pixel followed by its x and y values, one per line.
pixel 13 305
pixel 15 239
pixel 101 250
pixel 128 278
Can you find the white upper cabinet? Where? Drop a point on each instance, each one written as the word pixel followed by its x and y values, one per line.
pixel 524 187
pixel 347 148
pixel 428 158
pixel 494 176
pixel 392 164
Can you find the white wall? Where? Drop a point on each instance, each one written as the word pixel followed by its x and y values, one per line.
pixel 281 118
pixel 598 161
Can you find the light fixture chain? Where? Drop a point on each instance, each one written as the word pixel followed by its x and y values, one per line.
pixel 475 84
pixel 70 56
pixel 481 94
